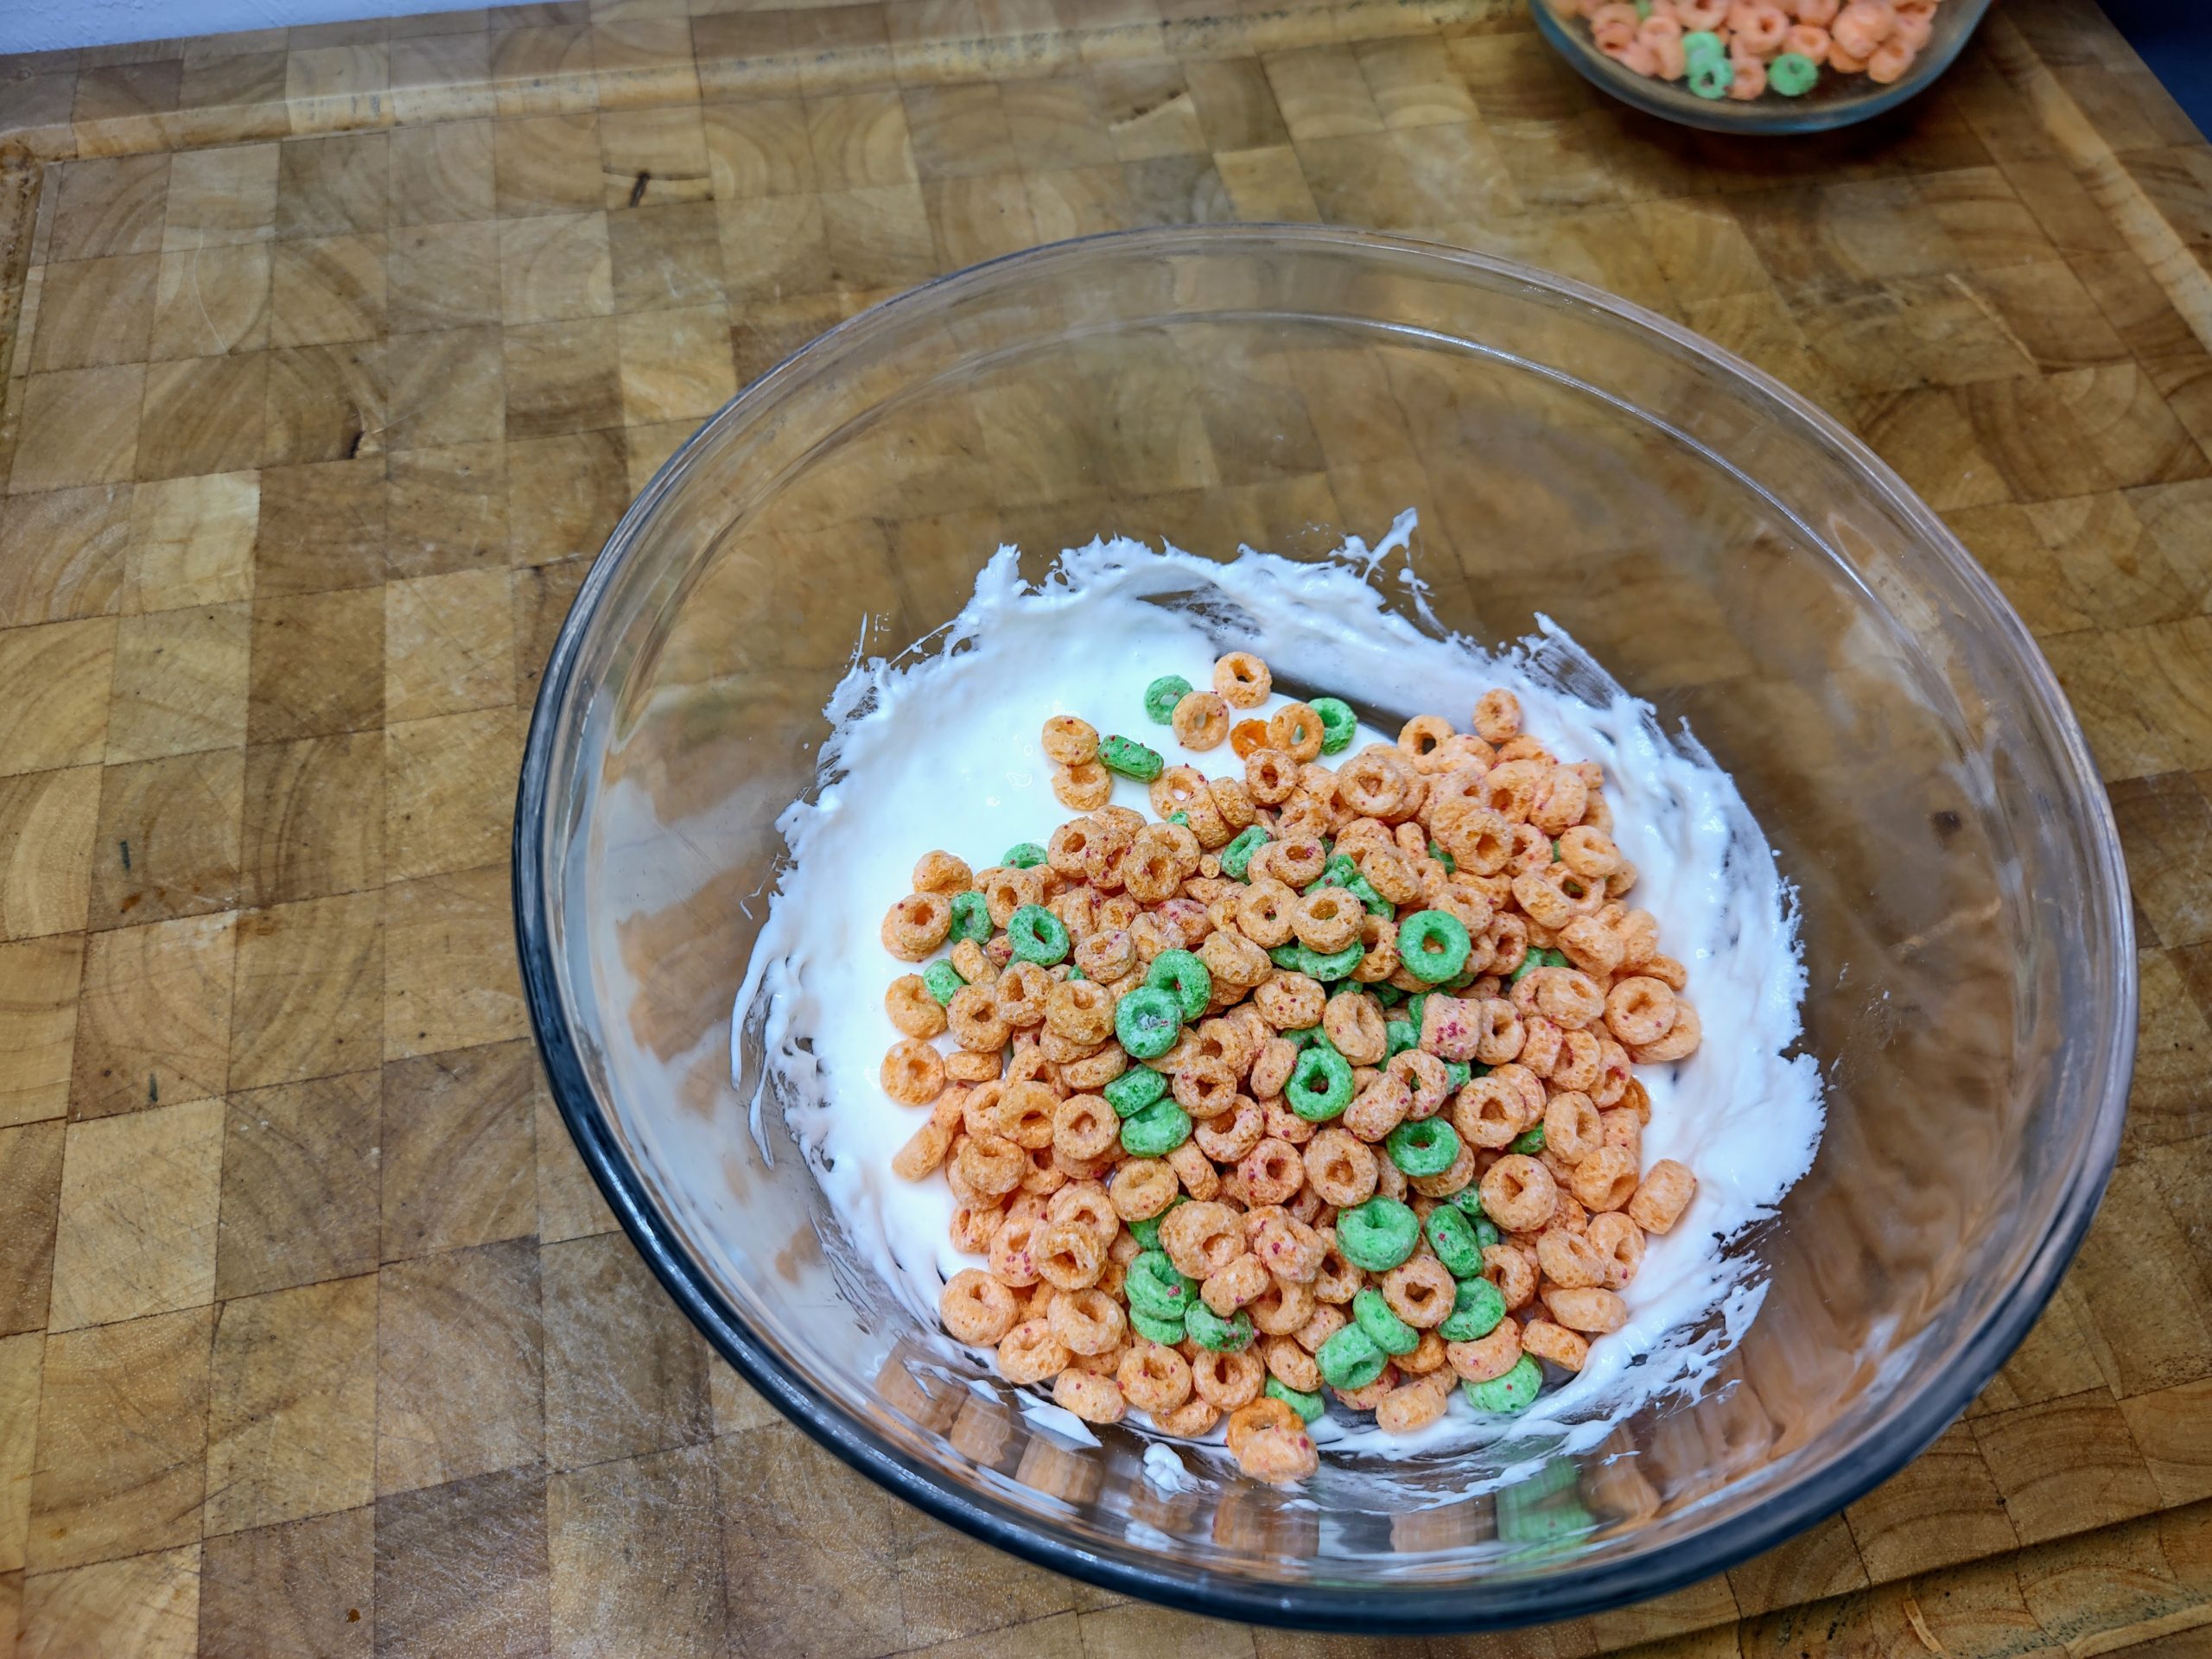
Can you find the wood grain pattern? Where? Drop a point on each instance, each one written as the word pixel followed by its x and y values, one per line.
pixel 331 355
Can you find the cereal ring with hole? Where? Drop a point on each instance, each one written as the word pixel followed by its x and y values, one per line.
pixel 1201 1239
pixel 941 872
pixel 1377 1110
pixel 1030 1353
pixel 1007 887
pixel 1242 680
pixel 1270 774
pixel 1297 730
pixel 1353 1021
pixel 1267 913
pixel 1490 1114
pixel 912 1009
pixel 1079 1010
pixel 1013 1249
pixel 1497 717
pixel 1153 1377
pixel 1557 804
pixel 1068 848
pixel 1284 1309
pixel 1606 1179
pixel 1084 1127
pixel 1486 1357
pixel 1273 1065
pixel 1141 1188
pixel 1226 1380
pixel 1105 957
pixel 1265 1412
pixel 1590 1309
pixel 1591 946
pixel 1291 1364
pixel 1479 839
pixel 917 924
pixel 1230 1136
pixel 1413 1405
pixel 1020 993
pixel 1291 1251
pixel 1024 1114
pixel 1555 1343
pixel 1513 1270
pixel 1086 1319
pixel 1572 1129
pixel 1070 741
pixel 1620 1242
pixel 975 1308
pixel 1569 1259
pixel 1095 1399
pixel 1201 721
pixel 1519 1194
pixel 1290 1001
pixel 973 1015
pixel 1083 788
pixel 1589 852
pixel 1420 738
pixel 1327 919
pixel 1271 1172
pixel 1244 1279
pixel 1426 1079
pixel 1419 1291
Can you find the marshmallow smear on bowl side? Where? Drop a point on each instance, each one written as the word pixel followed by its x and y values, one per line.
pixel 1218 1062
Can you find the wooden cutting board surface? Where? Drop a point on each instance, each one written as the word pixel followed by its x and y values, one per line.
pixel 331 357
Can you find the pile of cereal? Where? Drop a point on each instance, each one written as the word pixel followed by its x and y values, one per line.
pixel 1318 1086
pixel 1741 48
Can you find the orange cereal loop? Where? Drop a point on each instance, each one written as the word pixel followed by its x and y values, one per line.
pixel 924 1151
pixel 1080 1010
pixel 1142 1187
pixel 1589 1309
pixel 1256 1416
pixel 1030 1353
pixel 1519 1194
pixel 914 1073
pixel 1088 1321
pixel 1200 721
pixel 917 924
pixel 1489 1356
pixel 912 1009
pixel 1420 737
pixel 1246 736
pixel 1374 1393
pixel 1153 1377
pixel 1555 1343
pixel 1095 1071
pixel 1605 1181
pixel 991 1164
pixel 1620 1242
pixel 1353 1021
pixel 1297 730
pixel 1283 1308
pixel 973 1015
pixel 1666 1192
pixel 1413 1405
pixel 1327 919
pixel 972 1065
pixel 1070 741
pixel 1007 887
pixel 1200 1238
pixel 1497 717
pixel 1279 1456
pixel 940 872
pixel 1242 680
pixel 1083 788
pixel 1570 1260
pixel 1232 798
pixel 975 1308
pixel 1680 1042
pixel 1227 1381
pixel 1084 1125
pixel 1291 1365
pixel 1271 774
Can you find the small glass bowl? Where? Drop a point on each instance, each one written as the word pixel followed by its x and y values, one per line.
pixel 1837 101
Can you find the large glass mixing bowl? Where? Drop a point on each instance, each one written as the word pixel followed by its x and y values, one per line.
pixel 1733 557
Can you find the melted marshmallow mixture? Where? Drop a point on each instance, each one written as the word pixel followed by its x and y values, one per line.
pixel 940 749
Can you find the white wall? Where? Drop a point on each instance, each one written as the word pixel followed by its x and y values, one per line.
pixel 43 25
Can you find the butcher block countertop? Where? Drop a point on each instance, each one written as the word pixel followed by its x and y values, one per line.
pixel 331 357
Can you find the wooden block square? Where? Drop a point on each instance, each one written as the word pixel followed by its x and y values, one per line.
pixel 1148 110
pixel 2066 1465
pixel 122 1425
pixel 665 256
pixel 651 446
pixel 56 678
pixel 762 334
pixel 46 820
pixel 234 94
pixel 761 148
pixel 314 820
pixel 447 509
pixel 436 276
pixel 562 377
pixel 676 365
pixel 329 403
pixel 303 1587
pixel 30 1184
pixel 328 288
pixel 118 102
pixel 208 301
pixel 333 87
pixel 154 1016
pixel 556 266
pixel 462 1569
pixel 441 173
pixel 291 1425
pixel 449 790
pixel 137 1223
pixel 544 69
pixel 569 1201
pixel 332 185
pixel 1321 94
pixel 191 542
pixel 861 138
pixel 322 527
pixel 746 54
pixel 446 389
pixel 564 495
pixel 317 666
pixel 108 207
pixel 441 77
pixel 778 1494
pixel 1235 105
pixel 78 426
pixel 223 196
pixel 450 976
pixel 94 311
pixel 301 1167
pixel 167 842
pixel 180 682
pixel 202 414
pixel 1941 1509
pixel 547 164
pixel 38 1024
pixel 775 248
pixel 1413 83
pixel 310 987
pixel 448 647
pixel 459 1372
pixel 651 156
pixel 147 1607
pixel 62 554
pixel 20 1366
pixel 671 1584
pixel 458 1149
pixel 2164 824
pixel 626 1373
pixel 978 217
pixel 878 237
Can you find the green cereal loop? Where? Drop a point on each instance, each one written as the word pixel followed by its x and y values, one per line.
pixel 1363 890
pixel 1130 758
pixel 1377 1235
pixel 1075 972
pixel 1209 1329
pixel 1555 852
pixel 1556 959
pixel 1148 1021
pixel 1703 43
pixel 1320 1085
pixel 1451 1235
pixel 1793 74
pixel 1388 995
pixel 1338 871
pixel 1154 1286
pixel 1642 8
pixel 1461 981
pixel 1305 1037
pixel 1709 78
pixel 1434 944
pixel 1450 864
pixel 1424 1145
pixel 1476 1308
pixel 1160 698
pixel 1457 1072
pixel 1384 1329
pixel 943 980
pixel 1155 1131
pixel 1179 817
pixel 1339 724
pixel 1147 1232
pixel 1349 1360
pixel 1309 1406
pixel 1529 1143
pixel 1186 976
pixel 1416 1006
pixel 1134 1089
pixel 1236 857
pixel 1304 959
pixel 1167 1332
pixel 1038 936
pixel 1398 1037
pixel 1510 1395
pixel 1530 963
pixel 971 917
pixel 1024 856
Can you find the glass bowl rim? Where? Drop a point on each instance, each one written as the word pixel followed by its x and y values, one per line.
pixel 1159 1578
pixel 1772 121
